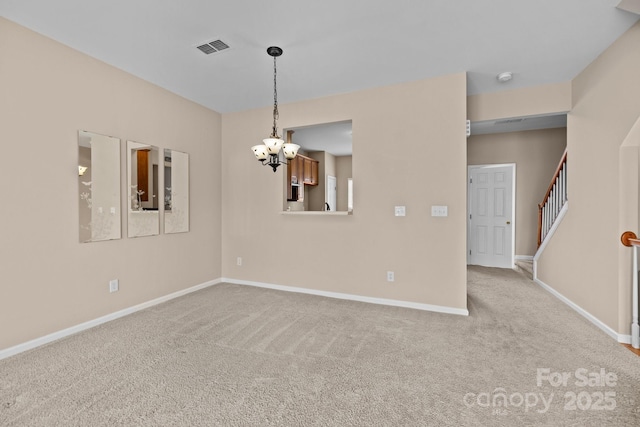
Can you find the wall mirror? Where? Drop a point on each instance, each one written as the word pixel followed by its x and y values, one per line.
pixel 317 179
pixel 143 217
pixel 176 191
pixel 98 187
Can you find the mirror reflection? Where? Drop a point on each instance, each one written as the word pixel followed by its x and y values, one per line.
pixel 143 216
pixel 318 178
pixel 98 187
pixel 176 191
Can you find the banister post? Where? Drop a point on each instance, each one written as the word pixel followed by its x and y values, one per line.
pixel 629 238
pixel 539 225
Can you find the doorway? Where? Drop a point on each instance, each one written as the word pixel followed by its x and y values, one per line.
pixel 490 216
pixel 331 199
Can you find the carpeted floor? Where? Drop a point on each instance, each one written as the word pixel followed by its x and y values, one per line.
pixel 242 356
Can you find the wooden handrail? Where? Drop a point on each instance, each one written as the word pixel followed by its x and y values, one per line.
pixel 561 164
pixel 629 239
pixel 553 180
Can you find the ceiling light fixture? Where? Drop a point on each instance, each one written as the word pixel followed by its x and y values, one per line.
pixel 268 153
pixel 504 77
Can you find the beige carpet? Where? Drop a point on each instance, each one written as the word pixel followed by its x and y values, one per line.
pixel 242 356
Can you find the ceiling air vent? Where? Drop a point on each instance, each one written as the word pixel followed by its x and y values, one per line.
pixel 213 47
pixel 507 121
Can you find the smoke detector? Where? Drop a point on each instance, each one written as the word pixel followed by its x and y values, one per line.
pixel 504 77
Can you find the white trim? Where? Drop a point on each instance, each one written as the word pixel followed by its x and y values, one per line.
pixel 547 238
pixel 621 338
pixel 11 351
pixel 339 295
pixel 326 213
pixel 524 257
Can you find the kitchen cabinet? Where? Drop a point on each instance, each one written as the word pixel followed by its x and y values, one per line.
pixel 310 174
pixel 302 170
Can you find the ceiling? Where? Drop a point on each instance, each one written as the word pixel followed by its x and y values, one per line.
pixel 334 138
pixel 330 46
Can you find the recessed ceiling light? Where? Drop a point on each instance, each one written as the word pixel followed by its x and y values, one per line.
pixel 505 77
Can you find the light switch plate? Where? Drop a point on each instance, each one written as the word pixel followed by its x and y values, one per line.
pixel 401 211
pixel 439 211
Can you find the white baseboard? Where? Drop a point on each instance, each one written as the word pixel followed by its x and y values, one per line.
pixel 524 257
pixel 11 351
pixel 621 338
pixel 338 295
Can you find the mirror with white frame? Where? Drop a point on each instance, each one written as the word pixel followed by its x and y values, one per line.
pixel 143 218
pixel 176 191
pixel 98 187
pixel 319 177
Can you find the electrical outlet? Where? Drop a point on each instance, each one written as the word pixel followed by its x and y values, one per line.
pixel 239 261
pixel 400 210
pixel 114 285
pixel 390 276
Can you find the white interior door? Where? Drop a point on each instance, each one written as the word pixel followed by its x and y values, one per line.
pixel 331 192
pixel 491 215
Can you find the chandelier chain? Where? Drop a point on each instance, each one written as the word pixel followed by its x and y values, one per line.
pixel 276 114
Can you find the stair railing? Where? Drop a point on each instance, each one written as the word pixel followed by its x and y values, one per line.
pixel 553 201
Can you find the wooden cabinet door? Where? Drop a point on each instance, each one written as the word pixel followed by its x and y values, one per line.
pixel 314 172
pixel 307 170
pixel 310 171
pixel 295 170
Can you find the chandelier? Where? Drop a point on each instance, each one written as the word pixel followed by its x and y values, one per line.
pixel 268 153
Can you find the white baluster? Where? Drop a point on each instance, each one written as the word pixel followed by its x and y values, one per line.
pixel 552 213
pixel 635 329
pixel 544 221
pixel 555 198
pixel 546 217
pixel 564 169
pixel 564 185
pixel 558 198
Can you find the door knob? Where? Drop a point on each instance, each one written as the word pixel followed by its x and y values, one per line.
pixel 508 222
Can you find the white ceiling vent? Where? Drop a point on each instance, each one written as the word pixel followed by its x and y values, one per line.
pixel 213 46
pixel 507 121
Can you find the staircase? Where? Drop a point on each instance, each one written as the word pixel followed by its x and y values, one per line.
pixel 525 268
pixel 553 201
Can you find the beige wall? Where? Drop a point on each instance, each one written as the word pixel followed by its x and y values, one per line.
pixel 585 261
pixel 536 154
pixel 531 101
pixel 49 280
pixel 351 253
